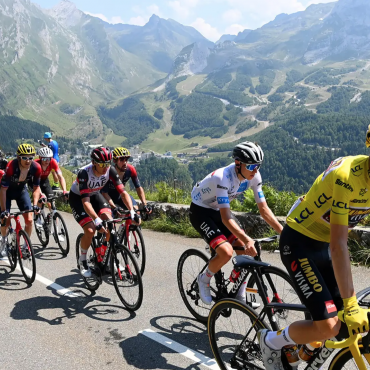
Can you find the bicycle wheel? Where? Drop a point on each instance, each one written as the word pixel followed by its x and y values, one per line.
pixel 279 287
pixel 232 332
pixel 61 233
pixel 12 251
pixel 343 360
pixel 42 230
pixel 191 263
pixel 126 277
pixel 135 243
pixel 26 257
pixel 93 282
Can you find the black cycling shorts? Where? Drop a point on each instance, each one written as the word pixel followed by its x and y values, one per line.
pixel 208 223
pixel 98 202
pixel 309 264
pixel 46 188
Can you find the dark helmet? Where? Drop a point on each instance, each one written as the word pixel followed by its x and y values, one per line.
pixel 101 154
pixel 248 152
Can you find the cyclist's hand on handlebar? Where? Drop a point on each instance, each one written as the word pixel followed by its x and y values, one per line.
pixel 135 217
pixel 36 209
pixel 66 195
pixel 98 222
pixel 354 316
pixel 118 211
pixel 250 250
pixel 4 214
pixel 148 209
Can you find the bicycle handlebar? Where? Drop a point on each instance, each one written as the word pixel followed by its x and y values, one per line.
pixel 268 239
pixel 344 343
pixel 20 213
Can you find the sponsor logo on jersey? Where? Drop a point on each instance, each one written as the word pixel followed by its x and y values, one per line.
pixel 243 186
pixel 221 187
pixel 340 205
pixel 307 280
pixel 330 306
pixel 197 196
pixel 303 215
pixel 355 215
pixel 294 266
pixel 207 230
pixel 321 200
pixel 344 185
pixel 206 190
pixel 359 200
pixel 223 200
pixel 363 192
pixel 261 195
pixel 357 171
pixel 286 250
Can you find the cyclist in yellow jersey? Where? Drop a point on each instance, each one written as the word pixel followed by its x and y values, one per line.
pixel 336 202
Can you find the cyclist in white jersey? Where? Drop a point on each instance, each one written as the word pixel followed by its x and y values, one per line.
pixel 210 211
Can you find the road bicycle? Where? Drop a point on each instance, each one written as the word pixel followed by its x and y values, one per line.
pixel 233 328
pixel 132 237
pixel 278 285
pixel 19 247
pixel 116 260
pixel 52 224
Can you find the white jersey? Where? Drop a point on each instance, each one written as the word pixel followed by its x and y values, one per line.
pixel 220 187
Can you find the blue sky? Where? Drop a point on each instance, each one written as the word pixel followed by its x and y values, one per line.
pixel 210 17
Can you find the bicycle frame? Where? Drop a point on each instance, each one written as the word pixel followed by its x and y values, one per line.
pixel 18 227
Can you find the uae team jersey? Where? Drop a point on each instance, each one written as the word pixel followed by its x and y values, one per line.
pixel 87 183
pixel 220 187
pixel 339 196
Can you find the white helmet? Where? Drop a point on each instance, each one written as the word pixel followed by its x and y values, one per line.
pixel 45 152
pixel 248 152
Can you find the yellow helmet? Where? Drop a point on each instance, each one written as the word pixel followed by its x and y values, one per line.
pixel 368 137
pixel 121 152
pixel 26 149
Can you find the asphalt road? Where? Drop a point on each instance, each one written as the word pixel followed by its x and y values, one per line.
pixel 45 328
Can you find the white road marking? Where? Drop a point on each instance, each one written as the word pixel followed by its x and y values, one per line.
pixel 49 284
pixel 179 348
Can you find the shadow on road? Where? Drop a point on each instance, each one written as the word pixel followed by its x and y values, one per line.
pixel 145 353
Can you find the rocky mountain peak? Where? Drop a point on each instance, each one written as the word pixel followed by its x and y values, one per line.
pixel 66 13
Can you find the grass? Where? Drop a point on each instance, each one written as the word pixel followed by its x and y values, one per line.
pixel 114 140
pixel 187 86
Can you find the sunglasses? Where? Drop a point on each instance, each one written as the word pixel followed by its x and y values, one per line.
pixel 252 167
pixel 104 164
pixel 45 159
pixel 27 158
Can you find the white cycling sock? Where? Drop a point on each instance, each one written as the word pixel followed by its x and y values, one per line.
pixel 83 254
pixel 206 276
pixel 279 339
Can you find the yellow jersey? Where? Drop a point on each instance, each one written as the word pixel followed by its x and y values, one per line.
pixel 339 196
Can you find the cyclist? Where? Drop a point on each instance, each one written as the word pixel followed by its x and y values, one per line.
pixel 313 248
pixel 125 172
pixel 18 173
pixel 89 206
pixel 211 216
pixel 48 164
pixel 53 145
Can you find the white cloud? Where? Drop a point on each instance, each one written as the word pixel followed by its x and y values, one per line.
pixel 138 21
pixel 183 7
pixel 234 29
pixel 154 9
pixel 117 19
pixel 98 15
pixel 232 16
pixel 206 29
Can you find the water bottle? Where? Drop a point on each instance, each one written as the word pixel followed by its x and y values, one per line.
pixel 307 351
pixel 291 353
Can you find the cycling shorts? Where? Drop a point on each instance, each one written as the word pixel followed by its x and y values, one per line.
pixel 21 197
pixel 46 188
pixel 120 203
pixel 309 264
pixel 208 223
pixel 97 201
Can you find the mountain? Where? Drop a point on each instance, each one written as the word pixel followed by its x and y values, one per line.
pixel 225 38
pixel 159 41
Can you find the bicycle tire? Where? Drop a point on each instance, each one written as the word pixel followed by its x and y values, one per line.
pixel 91 283
pixel 188 287
pixel 342 359
pixel 121 256
pixel 231 349
pixel 276 291
pixel 42 233
pixel 12 252
pixel 138 250
pixel 63 232
pixel 26 256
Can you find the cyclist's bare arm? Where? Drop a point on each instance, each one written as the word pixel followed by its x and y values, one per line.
pixel 109 200
pixel 62 181
pixel 341 260
pixel 3 198
pixel 36 194
pixel 269 217
pixel 237 231
pixel 141 194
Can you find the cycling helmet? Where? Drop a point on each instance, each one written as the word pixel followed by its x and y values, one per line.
pixel 101 154
pixel 121 152
pixel 26 149
pixel 248 152
pixel 368 137
pixel 45 152
pixel 47 135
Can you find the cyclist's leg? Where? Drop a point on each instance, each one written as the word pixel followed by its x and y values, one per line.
pixel 5 223
pixel 47 191
pixel 119 202
pixel 24 204
pixel 102 209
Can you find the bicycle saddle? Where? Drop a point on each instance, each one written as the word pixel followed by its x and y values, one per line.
pixel 247 261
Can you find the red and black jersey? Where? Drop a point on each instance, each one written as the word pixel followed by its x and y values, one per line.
pixel 130 173
pixel 53 165
pixel 87 183
pixel 13 172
